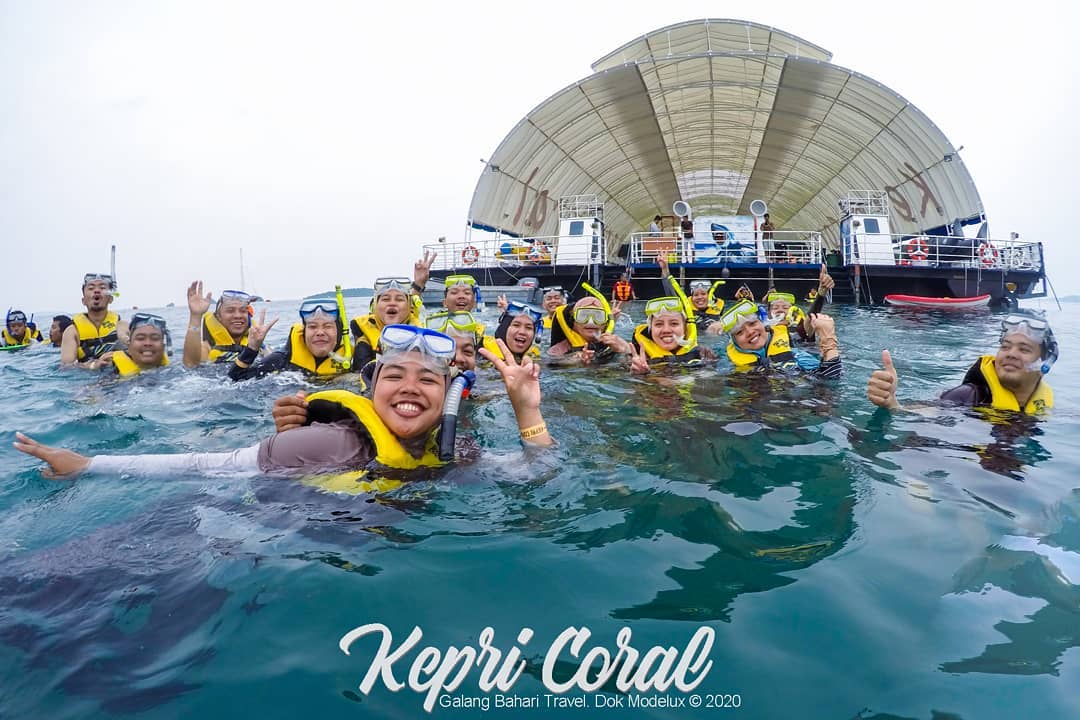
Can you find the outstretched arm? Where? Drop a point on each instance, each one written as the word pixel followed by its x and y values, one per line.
pixel 522 382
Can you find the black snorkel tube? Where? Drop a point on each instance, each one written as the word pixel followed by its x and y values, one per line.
pixel 448 432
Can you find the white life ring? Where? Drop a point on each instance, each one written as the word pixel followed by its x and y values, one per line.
pixel 988 254
pixel 470 255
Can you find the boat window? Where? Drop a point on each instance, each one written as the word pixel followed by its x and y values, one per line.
pixel 871 225
pixel 577 227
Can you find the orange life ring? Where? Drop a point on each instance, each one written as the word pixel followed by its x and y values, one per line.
pixel 470 255
pixel 917 249
pixel 988 254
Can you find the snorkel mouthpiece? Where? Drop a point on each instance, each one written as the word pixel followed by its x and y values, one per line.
pixel 448 434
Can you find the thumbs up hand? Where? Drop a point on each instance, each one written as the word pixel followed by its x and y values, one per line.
pixel 881 389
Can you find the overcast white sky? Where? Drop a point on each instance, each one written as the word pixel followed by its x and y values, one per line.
pixel 331 139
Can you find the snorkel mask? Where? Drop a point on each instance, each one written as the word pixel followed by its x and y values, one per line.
pixel 514 309
pixel 778 318
pixel 740 313
pixel 15 316
pixel 675 306
pixel 139 319
pixel 433 349
pixel 1035 327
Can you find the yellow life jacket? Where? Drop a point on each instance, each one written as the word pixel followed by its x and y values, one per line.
pixel 717 308
pixel 389 452
pixel 795 315
pixel 546 321
pixel 28 337
pixel 224 348
pixel 95 341
pixel 778 351
pixel 1001 398
pixel 576 340
pixel 126 367
pixel 370 328
pixel 687 354
pixel 623 290
pixel 492 346
pixel 301 357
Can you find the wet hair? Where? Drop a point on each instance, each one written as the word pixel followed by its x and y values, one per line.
pixel 64 321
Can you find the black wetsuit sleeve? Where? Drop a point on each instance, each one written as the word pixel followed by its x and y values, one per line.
pixel 830 369
pixel 362 354
pixel 256 368
pixel 669 288
pixel 966 394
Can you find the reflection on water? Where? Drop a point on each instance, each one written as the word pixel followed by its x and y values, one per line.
pixel 853 563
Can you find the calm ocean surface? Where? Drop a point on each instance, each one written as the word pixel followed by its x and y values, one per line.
pixel 851 565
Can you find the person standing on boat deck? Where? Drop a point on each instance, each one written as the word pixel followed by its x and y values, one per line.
pixel 654 227
pixel 96 331
pixel 687 227
pixel 1012 379
pixel 623 290
pixel 767 229
pixel 60 323
pixel 217 336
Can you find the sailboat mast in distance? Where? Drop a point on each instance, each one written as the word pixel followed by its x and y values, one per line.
pixel 112 264
pixel 243 288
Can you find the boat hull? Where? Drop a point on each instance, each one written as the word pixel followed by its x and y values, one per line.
pixel 946 303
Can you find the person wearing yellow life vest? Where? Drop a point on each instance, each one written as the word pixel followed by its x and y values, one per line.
pixel 581 334
pixel 148 340
pixel 218 336
pixel 403 426
pixel 552 298
pixel 623 291
pixel 668 337
pixel 781 307
pixel 96 331
pixel 17 331
pixel 316 345
pixel 392 304
pixel 755 345
pixel 707 307
pixel 1011 379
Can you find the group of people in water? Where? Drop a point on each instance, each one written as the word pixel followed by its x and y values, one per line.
pixel 414 368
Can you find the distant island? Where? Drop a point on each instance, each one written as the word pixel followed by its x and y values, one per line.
pixel 346 292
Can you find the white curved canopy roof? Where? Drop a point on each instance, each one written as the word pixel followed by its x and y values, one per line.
pixel 719 113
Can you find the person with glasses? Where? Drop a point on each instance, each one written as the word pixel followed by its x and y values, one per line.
pixel 148 341
pixel 1011 379
pixel 755 345
pixel 96 331
pixel 316 345
pixel 17 331
pixel 581 334
pixel 397 429
pixel 219 336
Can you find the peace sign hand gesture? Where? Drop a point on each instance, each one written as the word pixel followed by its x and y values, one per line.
pixel 258 331
pixel 422 268
pixel 639 361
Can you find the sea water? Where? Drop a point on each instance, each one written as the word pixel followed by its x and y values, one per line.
pixel 845 563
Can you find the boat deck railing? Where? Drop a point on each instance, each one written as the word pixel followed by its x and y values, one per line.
pixel 509 252
pixel 947 251
pixel 777 246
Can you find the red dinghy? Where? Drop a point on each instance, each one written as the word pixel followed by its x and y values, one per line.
pixel 931 302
